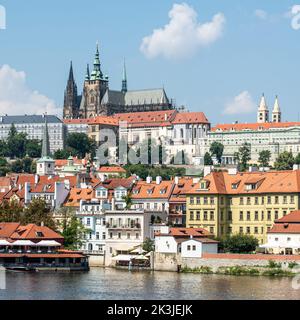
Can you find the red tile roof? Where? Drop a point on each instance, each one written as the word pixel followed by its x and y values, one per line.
pixel 266 182
pixel 78 194
pixel 7 229
pixel 190 118
pixel 112 170
pixel 144 190
pixel 180 190
pixel 77 121
pixel 110 121
pixel 254 126
pixel 293 217
pixel 287 224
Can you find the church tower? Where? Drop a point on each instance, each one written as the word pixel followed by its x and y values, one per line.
pixel 124 79
pixel 276 114
pixel 95 87
pixel 263 111
pixel 71 108
pixel 45 165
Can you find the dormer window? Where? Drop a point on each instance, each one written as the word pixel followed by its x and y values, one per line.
pixel 149 191
pixel 163 191
pixel 250 186
pixel 204 185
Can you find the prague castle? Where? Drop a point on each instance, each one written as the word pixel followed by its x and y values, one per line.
pixel 98 99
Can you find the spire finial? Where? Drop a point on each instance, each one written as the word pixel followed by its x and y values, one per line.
pixel 124 79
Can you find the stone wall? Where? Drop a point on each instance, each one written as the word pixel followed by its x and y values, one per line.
pixel 165 262
pixel 96 260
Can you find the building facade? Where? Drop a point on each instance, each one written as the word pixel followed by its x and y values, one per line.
pixel 249 203
pixel 33 126
pixel 98 99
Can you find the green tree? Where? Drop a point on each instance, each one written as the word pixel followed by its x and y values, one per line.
pixel 27 165
pixel 297 159
pixel 243 156
pixel 285 161
pixel 128 201
pixel 217 150
pixel 73 232
pixel 11 211
pixel 80 144
pixel 3 149
pixel 16 143
pixel 238 243
pixel 38 212
pixel 208 161
pixel 148 245
pixel 17 166
pixel 62 154
pixel 34 148
pixel 4 167
pixel 264 158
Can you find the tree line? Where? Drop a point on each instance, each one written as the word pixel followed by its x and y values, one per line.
pixel 285 160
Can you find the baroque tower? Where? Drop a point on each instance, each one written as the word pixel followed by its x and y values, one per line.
pixel 95 87
pixel 263 111
pixel 276 114
pixel 71 106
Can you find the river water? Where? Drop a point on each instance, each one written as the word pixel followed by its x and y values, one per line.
pixel 110 284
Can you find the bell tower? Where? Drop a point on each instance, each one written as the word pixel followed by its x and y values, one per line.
pixel 263 111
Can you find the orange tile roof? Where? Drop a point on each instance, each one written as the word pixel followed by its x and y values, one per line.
pixel 190 117
pixel 287 224
pixel 253 126
pixel 7 229
pixel 31 232
pixel 187 233
pixel 180 190
pixel 151 118
pixel 111 121
pixel 144 190
pixel 266 182
pixel 111 169
pixel 78 194
pixel 76 121
pixel 64 162
pixel 293 217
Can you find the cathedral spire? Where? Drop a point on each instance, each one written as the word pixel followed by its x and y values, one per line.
pixel 71 98
pixel 71 74
pixel 45 146
pixel 263 111
pixel 124 79
pixel 97 73
pixel 276 114
pixel 87 76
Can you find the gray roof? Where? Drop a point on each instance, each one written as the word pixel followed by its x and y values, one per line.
pixel 28 119
pixel 114 97
pixel 135 98
pixel 151 96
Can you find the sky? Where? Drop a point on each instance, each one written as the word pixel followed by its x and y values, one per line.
pixel 213 56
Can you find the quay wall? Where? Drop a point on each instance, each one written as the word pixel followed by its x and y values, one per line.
pixel 96 260
pixel 171 262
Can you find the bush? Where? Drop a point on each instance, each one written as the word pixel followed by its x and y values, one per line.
pixel 239 243
pixel 292 264
pixel 273 265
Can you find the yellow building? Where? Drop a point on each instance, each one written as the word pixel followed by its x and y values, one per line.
pixel 249 203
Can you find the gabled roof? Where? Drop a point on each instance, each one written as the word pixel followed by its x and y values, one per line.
pixel 32 231
pixel 253 126
pixel 266 182
pixel 112 170
pixel 187 233
pixel 293 217
pixel 190 118
pixel 287 224
pixel 144 190
pixel 78 194
pixel 179 192
pixel 7 229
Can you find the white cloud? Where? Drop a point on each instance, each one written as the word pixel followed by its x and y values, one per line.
pixel 261 14
pixel 242 103
pixel 16 98
pixel 183 35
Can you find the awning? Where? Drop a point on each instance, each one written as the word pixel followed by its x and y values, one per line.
pixel 141 257
pixel 138 250
pixel 4 242
pixel 23 243
pixel 48 243
pixel 124 257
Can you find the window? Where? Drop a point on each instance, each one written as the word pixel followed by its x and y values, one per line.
pixel 241 230
pixel 97 235
pixel 205 216
pixel 241 201
pixel 103 235
pixel 205 201
pixel 248 216
pixel 248 230
pixel 212 200
pixel 256 200
pixel 137 235
pixel 262 216
pixel 256 215
pixel 191 200
pixel 222 215
pixel 119 235
pixel 194 248
pixel 212 216
pixel 192 215
pixel 128 235
pixel 276 199
pixel 256 230
pixel 248 201
pixel 230 215
pixel 276 215
pixel 198 215
pixel 88 221
pixel 241 215
pixel 189 248
pixel 212 230
pixel 262 200
pixel 292 199
pixel 269 200
pixel 269 215
pixel 198 200
pixel 285 199
pixel 229 230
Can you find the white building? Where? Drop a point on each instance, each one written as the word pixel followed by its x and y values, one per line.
pixel 33 126
pixel 77 125
pixel 275 136
pixel 189 243
pixel 284 236
pixel 92 216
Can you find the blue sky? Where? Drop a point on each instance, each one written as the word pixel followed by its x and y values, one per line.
pixel 254 53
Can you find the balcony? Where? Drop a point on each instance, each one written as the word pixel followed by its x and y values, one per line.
pixel 136 226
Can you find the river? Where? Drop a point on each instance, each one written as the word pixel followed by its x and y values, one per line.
pixel 110 284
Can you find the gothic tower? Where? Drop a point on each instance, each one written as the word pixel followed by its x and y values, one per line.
pixel 124 79
pixel 263 111
pixel 95 87
pixel 71 107
pixel 276 114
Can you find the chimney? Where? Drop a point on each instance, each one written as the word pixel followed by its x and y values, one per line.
pixel 232 171
pixel 176 180
pixel 296 167
pixel 158 180
pixel 42 224
pixel 149 179
pixel 166 117
pixel 36 178
pixel 208 170
pixel 113 204
pixel 253 169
